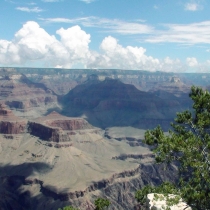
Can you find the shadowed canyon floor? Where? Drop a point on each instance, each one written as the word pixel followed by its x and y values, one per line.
pixel 67 137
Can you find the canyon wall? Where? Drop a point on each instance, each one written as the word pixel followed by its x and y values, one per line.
pixel 47 133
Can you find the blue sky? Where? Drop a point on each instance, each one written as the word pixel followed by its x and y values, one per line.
pixel 165 35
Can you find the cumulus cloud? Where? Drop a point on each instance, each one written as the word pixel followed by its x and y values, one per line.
pixel 172 65
pixel 71 48
pixel 114 55
pixel 32 42
pixel 75 44
pixel 9 53
pixel 27 9
pixel 192 62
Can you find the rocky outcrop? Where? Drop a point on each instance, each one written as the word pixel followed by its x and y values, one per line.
pixel 12 127
pixel 159 203
pixel 9 123
pixel 132 141
pixel 57 120
pixel 33 102
pixel 71 124
pixel 20 93
pixel 174 85
pixel 120 188
pixel 133 156
pixel 98 185
pixel 57 128
pixel 47 133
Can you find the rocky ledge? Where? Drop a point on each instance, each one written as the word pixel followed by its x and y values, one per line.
pixel 55 127
pixel 133 156
pixel 120 188
pixel 9 123
pixel 47 133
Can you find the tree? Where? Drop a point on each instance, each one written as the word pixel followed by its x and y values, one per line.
pixel 187 145
pixel 101 203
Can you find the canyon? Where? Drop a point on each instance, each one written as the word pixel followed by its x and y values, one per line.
pixel 70 136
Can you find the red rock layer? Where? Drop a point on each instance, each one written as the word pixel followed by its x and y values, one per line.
pixel 12 127
pixel 9 123
pixel 73 124
pixel 47 133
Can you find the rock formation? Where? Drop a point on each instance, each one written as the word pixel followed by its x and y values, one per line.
pixel 56 128
pixel 9 123
pixel 112 103
pixel 20 93
pixel 77 162
pixel 160 203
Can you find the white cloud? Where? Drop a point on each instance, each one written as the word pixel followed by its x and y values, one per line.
pixel 192 62
pixel 76 42
pixel 9 53
pixel 110 25
pixel 172 65
pixel 193 7
pixel 33 43
pixel 194 33
pixel 27 9
pixel 116 56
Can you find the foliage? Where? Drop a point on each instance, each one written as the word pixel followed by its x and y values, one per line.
pixel 101 203
pixel 68 208
pixel 187 145
pixel 165 188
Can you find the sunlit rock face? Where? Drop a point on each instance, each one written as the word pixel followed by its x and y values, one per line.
pixel 160 203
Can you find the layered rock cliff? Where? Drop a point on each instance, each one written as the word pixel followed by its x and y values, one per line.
pixel 119 189
pixel 56 128
pixel 47 133
pixel 9 123
pixel 77 163
pixel 64 80
pixel 21 94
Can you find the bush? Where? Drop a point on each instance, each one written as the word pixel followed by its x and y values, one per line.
pixel 188 145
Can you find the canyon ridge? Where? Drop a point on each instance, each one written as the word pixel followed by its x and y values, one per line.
pixel 68 137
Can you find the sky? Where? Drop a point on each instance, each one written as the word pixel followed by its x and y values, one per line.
pixel 153 35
